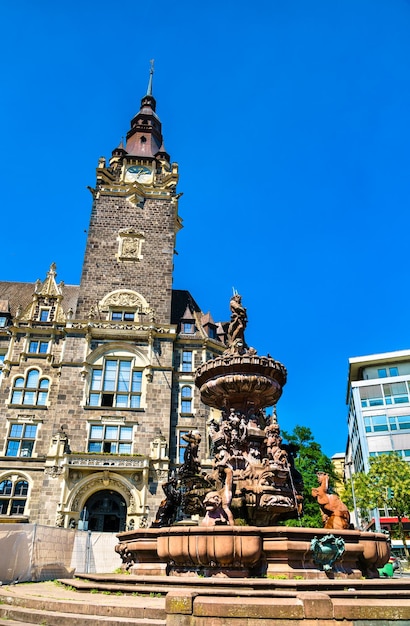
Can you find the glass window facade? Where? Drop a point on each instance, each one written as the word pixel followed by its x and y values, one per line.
pixel 382 423
pixel 385 394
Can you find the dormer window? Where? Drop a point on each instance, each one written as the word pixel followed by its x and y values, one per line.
pixel 44 315
pixel 5 317
pixel 212 332
pixel 188 328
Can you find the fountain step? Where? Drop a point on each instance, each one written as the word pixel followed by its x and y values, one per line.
pixel 46 603
pixel 262 587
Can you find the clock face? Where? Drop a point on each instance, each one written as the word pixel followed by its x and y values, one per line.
pixel 139 173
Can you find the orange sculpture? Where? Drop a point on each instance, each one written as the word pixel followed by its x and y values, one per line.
pixel 335 514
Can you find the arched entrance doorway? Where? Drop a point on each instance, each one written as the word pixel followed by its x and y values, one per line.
pixel 105 511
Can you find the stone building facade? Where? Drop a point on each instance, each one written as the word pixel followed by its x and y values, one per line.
pixel 97 379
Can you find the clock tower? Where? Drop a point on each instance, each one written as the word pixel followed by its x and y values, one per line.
pixel 128 261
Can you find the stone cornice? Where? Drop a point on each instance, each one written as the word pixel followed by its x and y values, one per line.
pixel 109 328
pixel 107 461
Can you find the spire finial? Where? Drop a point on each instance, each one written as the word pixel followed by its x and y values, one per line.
pixel 151 73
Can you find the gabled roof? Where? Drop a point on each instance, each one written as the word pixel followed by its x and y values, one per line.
pixel 21 295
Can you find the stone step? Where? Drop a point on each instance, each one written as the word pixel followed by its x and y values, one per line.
pixel 47 603
pixel 230 586
pixel 16 614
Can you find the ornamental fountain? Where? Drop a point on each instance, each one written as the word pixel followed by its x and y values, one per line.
pixel 253 487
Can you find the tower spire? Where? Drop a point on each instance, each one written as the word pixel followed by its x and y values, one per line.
pixel 145 135
pixel 151 74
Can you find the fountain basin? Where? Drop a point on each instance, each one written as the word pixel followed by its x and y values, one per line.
pixel 232 380
pixel 248 550
pixel 223 549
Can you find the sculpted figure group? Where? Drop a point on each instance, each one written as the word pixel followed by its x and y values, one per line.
pixel 254 475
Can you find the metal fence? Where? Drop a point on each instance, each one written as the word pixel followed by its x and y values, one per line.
pixel 29 552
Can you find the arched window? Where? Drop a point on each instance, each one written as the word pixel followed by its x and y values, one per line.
pixel 30 389
pixel 13 496
pixel 186 400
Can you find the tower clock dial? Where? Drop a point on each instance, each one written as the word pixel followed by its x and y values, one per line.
pixel 138 173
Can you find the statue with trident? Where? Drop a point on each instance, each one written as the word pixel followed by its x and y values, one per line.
pixel 236 329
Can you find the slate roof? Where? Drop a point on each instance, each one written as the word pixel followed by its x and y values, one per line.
pixel 21 294
pixel 181 299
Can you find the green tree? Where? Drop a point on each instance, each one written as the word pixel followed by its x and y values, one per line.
pixel 386 482
pixel 309 460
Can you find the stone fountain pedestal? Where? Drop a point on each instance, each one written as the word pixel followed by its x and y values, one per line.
pixel 241 551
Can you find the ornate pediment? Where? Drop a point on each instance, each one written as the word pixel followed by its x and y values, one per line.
pixel 46 303
pixel 125 298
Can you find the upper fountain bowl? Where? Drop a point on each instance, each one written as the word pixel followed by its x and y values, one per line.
pixel 241 381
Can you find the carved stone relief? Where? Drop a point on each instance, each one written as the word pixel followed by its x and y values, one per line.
pixel 130 245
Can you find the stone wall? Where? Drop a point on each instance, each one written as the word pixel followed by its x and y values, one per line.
pixel 150 275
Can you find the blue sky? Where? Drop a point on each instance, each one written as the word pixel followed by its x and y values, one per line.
pixel 289 121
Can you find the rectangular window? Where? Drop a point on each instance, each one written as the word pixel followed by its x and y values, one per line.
pixel 186 406
pixel 116 385
pixel 21 440
pixel 4 505
pixel 403 422
pixel 182 445
pixel 3 321
pixel 17 507
pixel 376 423
pixel 44 315
pixel 122 316
pixel 379 423
pixel 393 371
pixel 188 328
pixel 395 393
pixel 111 439
pixel 187 361
pixel 371 395
pixel 38 347
pixel 382 373
pixel 392 423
